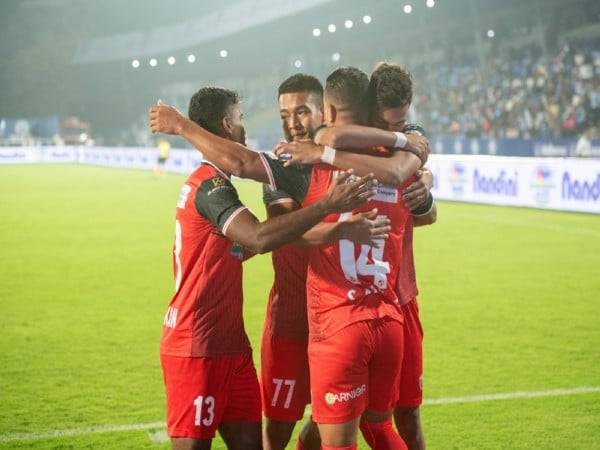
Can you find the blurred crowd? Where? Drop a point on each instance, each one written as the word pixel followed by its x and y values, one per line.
pixel 515 96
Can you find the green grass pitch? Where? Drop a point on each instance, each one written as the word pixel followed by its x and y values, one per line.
pixel 510 301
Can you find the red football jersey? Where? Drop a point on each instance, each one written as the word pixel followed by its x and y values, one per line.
pixel 347 282
pixel 204 317
pixel 286 311
pixel 407 281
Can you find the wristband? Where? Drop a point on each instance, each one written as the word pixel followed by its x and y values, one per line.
pixel 424 207
pixel 401 140
pixel 328 155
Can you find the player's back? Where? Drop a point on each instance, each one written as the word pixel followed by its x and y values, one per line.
pixel 348 282
pixel 204 317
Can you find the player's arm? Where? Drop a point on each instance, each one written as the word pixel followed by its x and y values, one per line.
pixel 218 201
pixel 417 198
pixel 228 155
pixel 362 228
pixel 356 138
pixel 392 169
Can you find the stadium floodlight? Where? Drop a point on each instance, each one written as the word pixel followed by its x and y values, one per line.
pixel 331 28
pixel 191 58
pixel 348 24
pixel 491 33
pixel 367 19
pixel 430 3
pixel 316 32
pixel 336 57
pixel 153 62
pixel 223 53
pixel 135 64
pixel 407 9
pixel 171 60
pixel 297 64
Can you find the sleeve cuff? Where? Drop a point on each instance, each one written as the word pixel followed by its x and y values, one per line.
pixel 231 217
pixel 268 170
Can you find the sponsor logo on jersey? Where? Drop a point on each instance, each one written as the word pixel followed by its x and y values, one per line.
pixel 386 194
pixel 331 398
pixel 502 184
pixel 218 181
pixel 237 250
pixel 216 184
pixel 580 190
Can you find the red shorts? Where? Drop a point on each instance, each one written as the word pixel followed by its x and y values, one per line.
pixel 356 369
pixel 204 392
pixel 411 377
pixel 284 377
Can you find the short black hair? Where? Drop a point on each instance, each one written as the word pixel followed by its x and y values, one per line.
pixel 301 82
pixel 390 86
pixel 348 85
pixel 209 106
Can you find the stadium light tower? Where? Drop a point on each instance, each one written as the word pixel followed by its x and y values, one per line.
pixel 367 19
pixel 348 24
pixel 316 32
pixel 191 58
pixel 336 57
pixel 297 64
pixel 223 53
pixel 430 3
pixel 135 64
pixel 331 28
pixel 491 33
pixel 407 9
pixel 171 60
pixel 153 62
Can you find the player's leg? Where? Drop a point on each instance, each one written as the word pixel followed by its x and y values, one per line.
pixel 408 423
pixel 240 427
pixel 196 395
pixel 339 435
pixel 339 376
pixel 191 444
pixel 277 434
pixel 241 435
pixel 384 378
pixel 285 387
pixel 309 438
pixel 407 412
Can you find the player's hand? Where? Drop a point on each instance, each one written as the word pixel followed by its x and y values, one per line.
pixel 348 192
pixel 417 144
pixel 300 152
pixel 417 192
pixel 165 119
pixel 366 228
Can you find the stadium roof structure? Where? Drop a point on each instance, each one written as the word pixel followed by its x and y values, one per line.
pixel 198 30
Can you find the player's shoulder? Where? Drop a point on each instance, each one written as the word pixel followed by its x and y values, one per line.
pixel 206 175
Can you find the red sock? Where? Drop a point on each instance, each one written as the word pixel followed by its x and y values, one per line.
pixel 381 435
pixel 349 447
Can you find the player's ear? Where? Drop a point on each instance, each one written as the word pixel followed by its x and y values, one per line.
pixel 332 113
pixel 227 126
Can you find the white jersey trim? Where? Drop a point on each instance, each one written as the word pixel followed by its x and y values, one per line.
pixel 231 217
pixel 268 170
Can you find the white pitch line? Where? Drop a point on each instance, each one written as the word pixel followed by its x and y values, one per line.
pixel 79 431
pixel 14 437
pixel 513 395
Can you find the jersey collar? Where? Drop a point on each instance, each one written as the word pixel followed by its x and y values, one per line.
pixel 216 168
